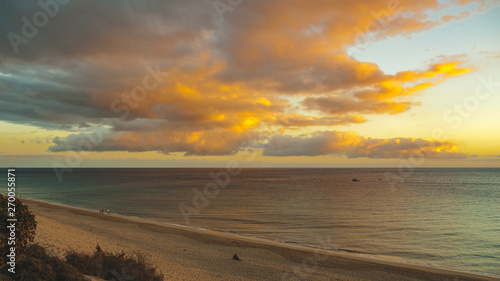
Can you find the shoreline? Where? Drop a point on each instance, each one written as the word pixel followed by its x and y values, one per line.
pixel 117 232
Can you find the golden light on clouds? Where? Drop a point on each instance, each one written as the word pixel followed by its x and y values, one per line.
pixel 194 84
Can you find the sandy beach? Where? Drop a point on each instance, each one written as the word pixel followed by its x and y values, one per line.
pixel 190 254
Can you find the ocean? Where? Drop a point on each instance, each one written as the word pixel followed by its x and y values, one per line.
pixel 447 218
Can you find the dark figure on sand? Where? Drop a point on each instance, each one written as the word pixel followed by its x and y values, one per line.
pixel 235 257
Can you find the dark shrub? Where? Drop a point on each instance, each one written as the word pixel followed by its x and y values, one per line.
pixel 38 265
pixel 109 266
pixel 25 228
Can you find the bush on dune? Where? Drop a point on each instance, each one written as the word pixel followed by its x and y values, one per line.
pixel 111 266
pixel 25 228
pixel 33 262
pixel 38 265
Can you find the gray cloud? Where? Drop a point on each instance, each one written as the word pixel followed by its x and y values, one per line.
pixel 353 146
pixel 83 125
pixel 215 142
pixel 91 28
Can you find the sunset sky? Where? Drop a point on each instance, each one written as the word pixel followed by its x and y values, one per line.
pixel 264 83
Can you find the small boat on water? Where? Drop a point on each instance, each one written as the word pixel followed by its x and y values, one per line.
pixel 355 179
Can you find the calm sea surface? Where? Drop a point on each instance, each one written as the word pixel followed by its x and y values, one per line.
pixel 441 217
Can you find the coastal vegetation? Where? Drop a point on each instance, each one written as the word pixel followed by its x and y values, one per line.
pixel 31 261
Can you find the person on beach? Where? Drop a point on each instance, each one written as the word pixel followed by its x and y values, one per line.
pixel 108 212
pixel 235 257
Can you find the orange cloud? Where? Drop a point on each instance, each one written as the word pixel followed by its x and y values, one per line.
pixel 389 95
pixel 393 86
pixel 461 16
pixel 348 105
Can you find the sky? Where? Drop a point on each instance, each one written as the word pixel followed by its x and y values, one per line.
pixel 261 83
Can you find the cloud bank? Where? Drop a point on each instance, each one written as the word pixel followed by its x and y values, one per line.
pixel 226 82
pixel 353 146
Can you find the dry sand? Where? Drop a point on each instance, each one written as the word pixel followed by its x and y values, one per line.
pixel 190 254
